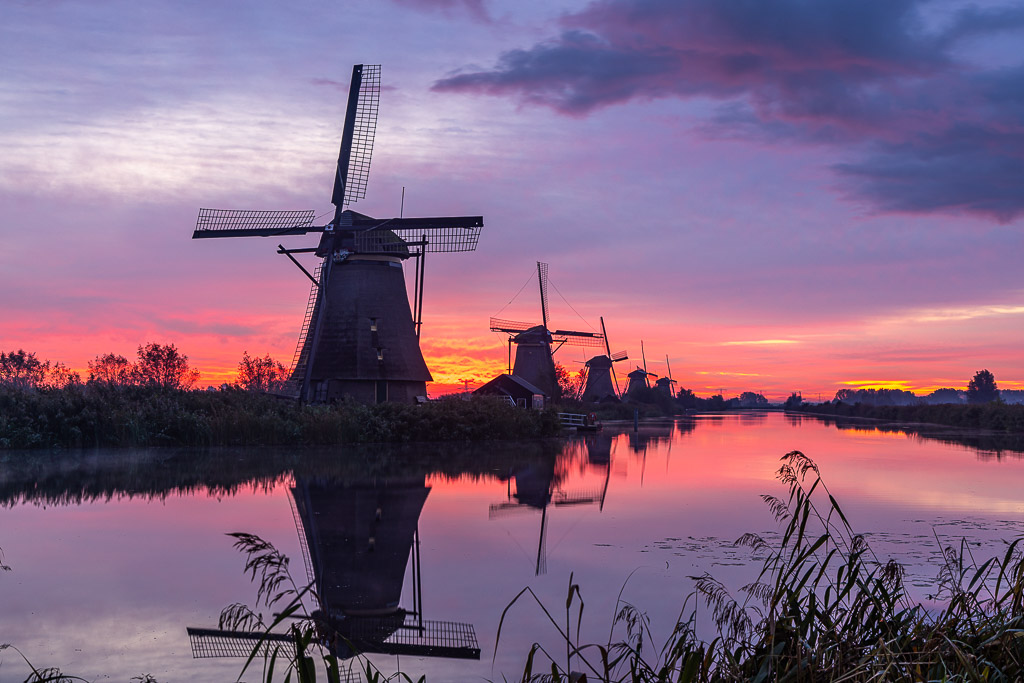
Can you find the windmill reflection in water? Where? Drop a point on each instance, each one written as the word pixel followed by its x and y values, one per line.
pixel 357 539
pixel 538 486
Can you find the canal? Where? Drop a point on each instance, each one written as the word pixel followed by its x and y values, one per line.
pixel 115 554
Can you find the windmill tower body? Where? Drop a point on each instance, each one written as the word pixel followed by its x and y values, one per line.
pixel 361 336
pixel 367 346
pixel 637 381
pixel 664 386
pixel 599 385
pixel 534 362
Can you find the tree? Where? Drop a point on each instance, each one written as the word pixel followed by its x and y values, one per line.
pixel 22 370
pixel 795 400
pixel 261 374
pixel 687 399
pixel 749 399
pixel 164 366
pixel 62 377
pixel 112 370
pixel 845 395
pixel 569 386
pixel 982 389
pixel 716 402
pixel 944 395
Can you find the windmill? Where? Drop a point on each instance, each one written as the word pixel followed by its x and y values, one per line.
pixel 534 362
pixel 664 384
pixel 359 337
pixel 638 379
pixel 356 540
pixel 599 372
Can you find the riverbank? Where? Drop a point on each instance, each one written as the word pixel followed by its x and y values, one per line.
pixel 995 417
pixel 103 416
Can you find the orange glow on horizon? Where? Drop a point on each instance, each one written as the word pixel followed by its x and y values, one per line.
pixel 459 351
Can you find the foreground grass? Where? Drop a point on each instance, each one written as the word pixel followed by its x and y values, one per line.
pixel 823 608
pixel 97 415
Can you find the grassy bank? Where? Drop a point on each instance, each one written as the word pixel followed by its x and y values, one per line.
pixel 94 415
pixel 999 417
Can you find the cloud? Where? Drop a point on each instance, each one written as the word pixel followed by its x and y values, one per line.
pixel 474 8
pixel 887 82
pixel 761 342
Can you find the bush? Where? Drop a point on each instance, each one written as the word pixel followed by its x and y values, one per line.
pixel 100 414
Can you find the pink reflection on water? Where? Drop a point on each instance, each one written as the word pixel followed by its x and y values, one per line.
pixel 108 586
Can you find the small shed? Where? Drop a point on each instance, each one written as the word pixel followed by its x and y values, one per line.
pixel 521 392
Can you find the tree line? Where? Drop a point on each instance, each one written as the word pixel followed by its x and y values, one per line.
pixel 160 366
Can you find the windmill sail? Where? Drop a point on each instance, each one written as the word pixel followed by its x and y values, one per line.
pixel 353 170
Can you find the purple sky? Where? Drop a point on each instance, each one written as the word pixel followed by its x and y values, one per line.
pixel 778 194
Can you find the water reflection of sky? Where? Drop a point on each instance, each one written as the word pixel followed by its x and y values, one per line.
pixel 112 561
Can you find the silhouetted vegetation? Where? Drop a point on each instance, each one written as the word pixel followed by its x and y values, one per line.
pixel 97 414
pixel 823 608
pixel 993 416
pixel 982 388
pixel 877 397
pixel 151 403
pixel 261 374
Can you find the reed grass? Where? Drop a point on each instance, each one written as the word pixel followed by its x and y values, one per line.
pixel 97 415
pixel 823 608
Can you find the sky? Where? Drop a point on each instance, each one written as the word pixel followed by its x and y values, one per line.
pixel 774 195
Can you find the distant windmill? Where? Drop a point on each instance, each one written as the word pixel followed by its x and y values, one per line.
pixel 360 337
pixel 664 384
pixel 534 362
pixel 638 379
pixel 600 371
pixel 356 540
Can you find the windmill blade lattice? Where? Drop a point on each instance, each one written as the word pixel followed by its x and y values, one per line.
pixel 365 126
pixel 570 338
pixel 499 325
pixel 245 223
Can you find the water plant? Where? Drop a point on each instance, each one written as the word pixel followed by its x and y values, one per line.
pixel 309 643
pixel 823 608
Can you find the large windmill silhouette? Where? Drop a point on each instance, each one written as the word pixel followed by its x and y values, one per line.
pixel 536 344
pixel 360 337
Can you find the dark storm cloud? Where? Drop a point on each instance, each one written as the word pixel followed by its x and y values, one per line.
pixel 930 133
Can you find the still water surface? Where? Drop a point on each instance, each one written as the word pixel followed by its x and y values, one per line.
pixel 115 553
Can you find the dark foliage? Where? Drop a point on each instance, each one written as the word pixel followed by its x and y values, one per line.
pixel 152 415
pixel 982 388
pixel 992 416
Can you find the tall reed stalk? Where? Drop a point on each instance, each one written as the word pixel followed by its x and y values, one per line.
pixel 823 608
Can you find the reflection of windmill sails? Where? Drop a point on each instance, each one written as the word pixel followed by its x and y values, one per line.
pixel 537 486
pixel 360 538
